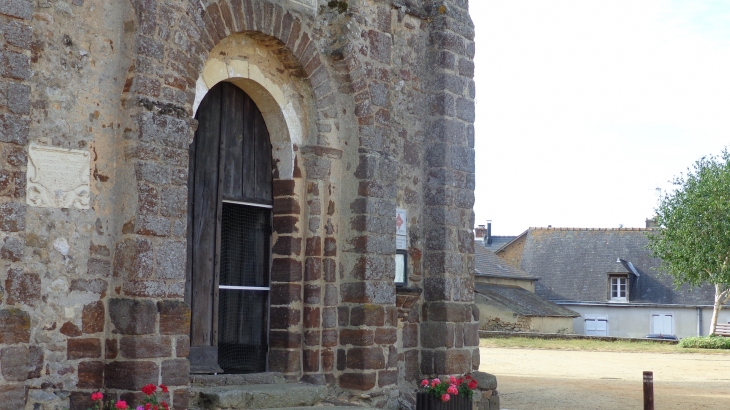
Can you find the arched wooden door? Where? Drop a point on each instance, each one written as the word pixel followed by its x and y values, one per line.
pixel 229 234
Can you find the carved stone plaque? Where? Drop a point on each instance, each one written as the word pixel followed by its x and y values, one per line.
pixel 58 178
pixel 312 4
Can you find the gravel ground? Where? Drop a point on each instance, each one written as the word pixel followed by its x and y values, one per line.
pixel 555 379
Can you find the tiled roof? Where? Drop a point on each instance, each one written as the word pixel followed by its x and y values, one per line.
pixel 573 265
pixel 522 301
pixel 487 263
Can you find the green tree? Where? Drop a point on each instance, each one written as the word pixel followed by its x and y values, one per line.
pixel 694 239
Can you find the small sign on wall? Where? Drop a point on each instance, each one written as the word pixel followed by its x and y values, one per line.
pixel 401 229
pixel 58 177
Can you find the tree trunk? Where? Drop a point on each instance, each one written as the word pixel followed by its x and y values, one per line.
pixel 716 308
pixel 722 296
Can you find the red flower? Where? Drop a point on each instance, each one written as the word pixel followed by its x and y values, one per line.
pixel 148 406
pixel 459 381
pixel 452 379
pixel 472 384
pixel 164 404
pixel 424 383
pixel 97 396
pixel 435 382
pixel 445 397
pixel 121 404
pixel 452 390
pixel 149 389
pixel 164 388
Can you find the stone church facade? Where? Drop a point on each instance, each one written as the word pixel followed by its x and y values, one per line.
pixel 368 108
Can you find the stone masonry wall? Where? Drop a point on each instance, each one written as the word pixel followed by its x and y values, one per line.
pixel 96 299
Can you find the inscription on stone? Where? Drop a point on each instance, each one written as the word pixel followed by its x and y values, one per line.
pixel 58 178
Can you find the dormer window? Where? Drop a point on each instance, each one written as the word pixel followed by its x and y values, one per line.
pixel 619 288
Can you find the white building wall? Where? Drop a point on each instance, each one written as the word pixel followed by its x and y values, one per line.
pixel 635 321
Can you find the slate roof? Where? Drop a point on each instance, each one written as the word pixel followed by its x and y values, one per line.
pixel 487 263
pixel 497 242
pixel 573 265
pixel 522 301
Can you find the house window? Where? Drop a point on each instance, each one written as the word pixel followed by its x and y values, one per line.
pixel 401 268
pixel 596 325
pixel 662 323
pixel 618 288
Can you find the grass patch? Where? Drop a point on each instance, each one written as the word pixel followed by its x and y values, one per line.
pixel 705 342
pixel 591 345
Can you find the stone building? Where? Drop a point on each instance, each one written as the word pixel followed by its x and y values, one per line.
pixel 121 232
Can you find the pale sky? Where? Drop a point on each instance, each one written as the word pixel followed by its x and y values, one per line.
pixel 585 108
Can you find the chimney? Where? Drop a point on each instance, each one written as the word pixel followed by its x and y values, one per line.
pixel 488 240
pixel 480 231
pixel 651 223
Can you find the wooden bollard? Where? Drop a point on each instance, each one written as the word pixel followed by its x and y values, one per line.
pixel 648 390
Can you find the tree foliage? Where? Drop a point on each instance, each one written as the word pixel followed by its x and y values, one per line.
pixel 694 240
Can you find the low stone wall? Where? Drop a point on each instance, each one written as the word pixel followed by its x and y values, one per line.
pixel 496 324
pixel 500 334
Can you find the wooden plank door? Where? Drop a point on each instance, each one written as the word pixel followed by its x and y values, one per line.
pixel 229 232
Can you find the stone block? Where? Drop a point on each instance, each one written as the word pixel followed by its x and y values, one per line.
pixel 13 396
pixel 284 317
pixel 111 349
pixel 485 381
pixel 286 270
pixel 386 336
pixel 437 334
pixel 175 372
pixel 174 317
pixel 312 294
pixel 145 347
pixel 362 358
pixel 12 249
pixel 182 346
pixel 131 375
pixel 97 286
pixel 86 348
pixel 171 258
pixel 18 363
pixel 312 317
pixel 91 375
pixel 284 360
pixel 133 316
pixel 285 339
pixel 23 287
pixel 12 214
pixel 134 258
pixel 368 315
pixel 14 326
pixel 452 361
pixel 287 245
pixel 284 294
pixel 93 317
pixel 357 337
pixel 357 381
pixel 312 269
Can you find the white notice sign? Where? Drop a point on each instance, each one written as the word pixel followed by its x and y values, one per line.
pixel 58 178
pixel 401 224
pixel 401 229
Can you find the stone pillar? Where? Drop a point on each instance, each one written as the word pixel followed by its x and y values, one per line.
pixel 449 328
pixel 18 360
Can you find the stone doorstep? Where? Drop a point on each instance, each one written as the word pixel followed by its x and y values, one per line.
pixel 259 396
pixel 214 380
pixel 324 408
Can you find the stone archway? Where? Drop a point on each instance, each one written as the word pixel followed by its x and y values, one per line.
pixel 252 67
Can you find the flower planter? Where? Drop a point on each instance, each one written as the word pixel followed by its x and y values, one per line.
pixel 425 401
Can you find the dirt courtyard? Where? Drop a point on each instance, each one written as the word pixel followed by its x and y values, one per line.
pixel 556 379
